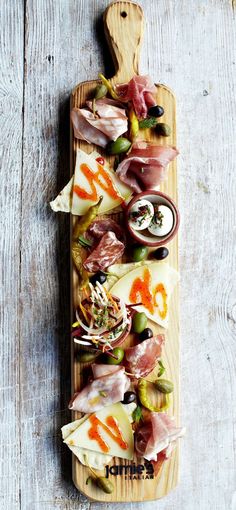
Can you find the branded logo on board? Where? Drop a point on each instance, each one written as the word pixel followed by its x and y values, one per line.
pixel 131 471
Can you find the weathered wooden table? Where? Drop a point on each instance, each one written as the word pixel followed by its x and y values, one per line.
pixel 46 47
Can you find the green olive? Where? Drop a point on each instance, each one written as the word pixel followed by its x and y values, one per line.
pixel 139 252
pixel 119 353
pixel 100 91
pixel 163 129
pixel 119 146
pixel 139 322
pixel 87 356
pixel 105 484
pixel 164 386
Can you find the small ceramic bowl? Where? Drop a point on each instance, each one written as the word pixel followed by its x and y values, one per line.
pixel 144 236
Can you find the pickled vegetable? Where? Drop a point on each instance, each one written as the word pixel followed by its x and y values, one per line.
pixel 105 484
pixel 139 322
pixel 87 356
pixel 98 277
pixel 100 91
pixel 86 220
pixel 163 129
pixel 109 87
pixel 164 386
pixel 139 252
pixel 133 125
pixel 161 253
pixel 129 397
pixel 147 389
pixel 146 333
pixel 156 111
pixel 119 353
pixel 119 146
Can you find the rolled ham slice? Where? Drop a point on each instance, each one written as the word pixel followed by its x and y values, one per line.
pixel 139 90
pixel 109 124
pixel 141 359
pixel 108 250
pixel 157 434
pixel 105 390
pixel 146 166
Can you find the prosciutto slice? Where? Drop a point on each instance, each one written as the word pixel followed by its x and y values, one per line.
pixel 109 123
pixel 105 390
pixel 145 166
pixel 108 250
pixel 157 434
pixel 102 225
pixel 141 359
pixel 139 90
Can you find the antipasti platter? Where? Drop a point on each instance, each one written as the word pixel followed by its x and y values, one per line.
pixel 122 196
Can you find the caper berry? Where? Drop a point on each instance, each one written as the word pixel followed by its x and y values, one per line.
pixel 139 322
pixel 87 356
pixel 139 252
pixel 119 353
pixel 164 386
pixel 119 146
pixel 98 277
pixel 163 129
pixel 105 484
pixel 161 253
pixel 146 333
pixel 156 111
pixel 100 91
pixel 129 397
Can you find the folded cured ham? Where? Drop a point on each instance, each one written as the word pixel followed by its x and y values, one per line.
pixel 108 124
pixel 107 388
pixel 139 90
pixel 106 253
pixel 157 434
pixel 141 359
pixel 145 166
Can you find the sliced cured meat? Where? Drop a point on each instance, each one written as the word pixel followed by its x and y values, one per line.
pixel 157 434
pixel 83 130
pixel 145 166
pixel 102 225
pixel 103 391
pixel 139 90
pixel 102 370
pixel 109 123
pixel 108 250
pixel 141 359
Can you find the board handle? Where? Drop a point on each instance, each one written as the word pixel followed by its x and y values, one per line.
pixel 124 24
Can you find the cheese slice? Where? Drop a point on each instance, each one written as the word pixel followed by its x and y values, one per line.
pixel 160 273
pixel 80 436
pixel 80 205
pixel 69 201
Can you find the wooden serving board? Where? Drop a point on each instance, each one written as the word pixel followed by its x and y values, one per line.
pixel 123 23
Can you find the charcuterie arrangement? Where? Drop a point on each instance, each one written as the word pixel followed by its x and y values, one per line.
pixel 124 282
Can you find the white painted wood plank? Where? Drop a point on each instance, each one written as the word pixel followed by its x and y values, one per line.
pixel 189 46
pixel 11 102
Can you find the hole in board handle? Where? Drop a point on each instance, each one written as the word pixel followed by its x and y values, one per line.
pixel 123 14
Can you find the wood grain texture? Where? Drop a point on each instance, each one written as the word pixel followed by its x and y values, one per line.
pixel 11 128
pixel 167 479
pixel 190 46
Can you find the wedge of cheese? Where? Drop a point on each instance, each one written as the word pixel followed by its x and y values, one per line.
pixel 160 282
pixel 80 437
pixel 91 179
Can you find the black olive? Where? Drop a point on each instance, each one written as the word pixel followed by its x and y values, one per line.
pixel 129 397
pixel 156 111
pixel 98 277
pixel 146 333
pixel 161 253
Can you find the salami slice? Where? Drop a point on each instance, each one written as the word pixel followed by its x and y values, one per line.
pixel 141 359
pixel 108 250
